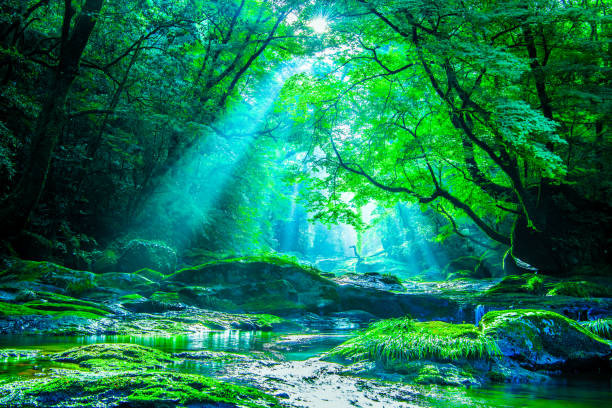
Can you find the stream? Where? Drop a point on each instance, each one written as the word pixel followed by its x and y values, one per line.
pixel 299 347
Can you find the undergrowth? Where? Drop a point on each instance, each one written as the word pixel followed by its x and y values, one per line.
pixel 600 327
pixel 402 340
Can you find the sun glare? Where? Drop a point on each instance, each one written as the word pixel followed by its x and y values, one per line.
pixel 319 25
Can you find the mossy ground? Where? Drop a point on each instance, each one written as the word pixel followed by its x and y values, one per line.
pixel 118 356
pixel 132 389
pixel 126 375
pixel 51 309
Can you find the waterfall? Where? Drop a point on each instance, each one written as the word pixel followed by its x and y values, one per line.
pixel 478 313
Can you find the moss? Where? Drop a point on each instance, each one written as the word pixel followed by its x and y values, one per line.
pixel 271 259
pixel 10 309
pixel 132 296
pixel 64 307
pixel 149 389
pixel 541 338
pixel 527 283
pixel 52 309
pixel 391 279
pixel 402 340
pixel 116 356
pixel 581 289
pixel 266 321
pixel 600 327
pixel 165 297
pixel 73 281
pixel 81 314
pixel 58 298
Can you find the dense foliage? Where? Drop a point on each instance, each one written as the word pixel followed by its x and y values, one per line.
pixel 493 111
pixel 197 122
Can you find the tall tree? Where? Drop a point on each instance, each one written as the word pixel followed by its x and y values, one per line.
pixel 17 206
pixel 490 110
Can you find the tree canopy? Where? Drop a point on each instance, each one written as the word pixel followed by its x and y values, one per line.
pixel 494 114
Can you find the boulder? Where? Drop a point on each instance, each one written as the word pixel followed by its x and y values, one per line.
pixel 541 339
pixel 139 254
pixel 279 286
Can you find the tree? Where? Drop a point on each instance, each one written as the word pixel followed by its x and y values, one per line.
pixel 491 110
pixel 17 206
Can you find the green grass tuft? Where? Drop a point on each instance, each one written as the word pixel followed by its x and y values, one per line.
pixel 402 340
pixel 600 327
pixel 582 289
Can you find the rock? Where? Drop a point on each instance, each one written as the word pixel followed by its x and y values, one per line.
pixel 540 339
pixel 126 282
pixel 139 254
pixel 117 356
pixel 283 287
pixel 46 276
pixel 372 280
pixel 467 266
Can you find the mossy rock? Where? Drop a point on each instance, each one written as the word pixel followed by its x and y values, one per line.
pixel 56 310
pixel 468 267
pixel 29 274
pixel 159 302
pixel 117 356
pixel 427 373
pixel 132 389
pixel 541 339
pixel 59 298
pixel 528 283
pixel 126 281
pixel 582 289
pixel 64 307
pixel 10 309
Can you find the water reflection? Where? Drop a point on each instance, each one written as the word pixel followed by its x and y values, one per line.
pixel 228 340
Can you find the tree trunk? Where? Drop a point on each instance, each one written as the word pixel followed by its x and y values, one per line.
pixel 575 235
pixel 16 208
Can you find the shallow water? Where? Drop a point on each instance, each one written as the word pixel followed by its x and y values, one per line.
pixel 568 393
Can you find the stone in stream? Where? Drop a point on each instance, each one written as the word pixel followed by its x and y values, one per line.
pixel 280 286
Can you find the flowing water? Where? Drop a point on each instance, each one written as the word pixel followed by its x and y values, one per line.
pixel 567 393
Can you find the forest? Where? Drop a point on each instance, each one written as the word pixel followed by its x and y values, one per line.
pixel 319 203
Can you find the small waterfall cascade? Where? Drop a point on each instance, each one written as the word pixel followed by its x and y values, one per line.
pixel 478 313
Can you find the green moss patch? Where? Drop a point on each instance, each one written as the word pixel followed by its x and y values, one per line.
pixel 115 357
pixel 581 289
pixel 252 260
pixel 527 283
pixel 10 309
pixel 72 281
pixel 64 307
pixel 149 389
pixel 132 296
pixel 402 340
